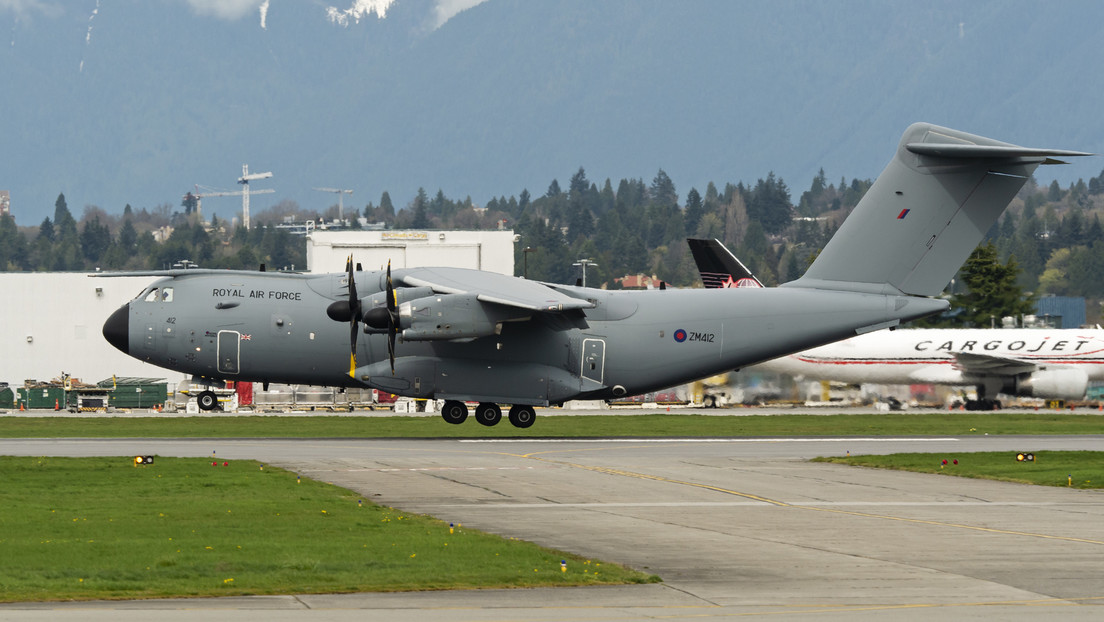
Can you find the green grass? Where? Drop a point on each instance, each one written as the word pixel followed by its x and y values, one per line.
pixel 656 425
pixel 101 528
pixel 1077 469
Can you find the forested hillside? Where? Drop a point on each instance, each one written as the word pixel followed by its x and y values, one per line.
pixel 1051 236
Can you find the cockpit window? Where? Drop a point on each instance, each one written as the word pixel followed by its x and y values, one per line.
pixel 159 294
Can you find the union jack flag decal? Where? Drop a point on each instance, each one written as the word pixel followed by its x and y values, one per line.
pixel 903 213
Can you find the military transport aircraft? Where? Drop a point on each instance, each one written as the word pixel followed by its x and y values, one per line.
pixel 1028 362
pixel 471 336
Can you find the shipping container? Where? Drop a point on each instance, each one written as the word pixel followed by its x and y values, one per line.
pixel 42 397
pixel 136 392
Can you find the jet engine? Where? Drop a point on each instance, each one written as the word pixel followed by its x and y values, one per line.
pixel 1064 384
pixel 453 317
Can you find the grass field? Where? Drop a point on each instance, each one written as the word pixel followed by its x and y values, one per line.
pixel 656 425
pixel 1077 469
pixel 101 528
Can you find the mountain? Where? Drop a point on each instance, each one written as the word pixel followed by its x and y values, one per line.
pixel 135 102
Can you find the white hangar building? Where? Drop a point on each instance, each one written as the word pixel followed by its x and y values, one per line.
pixel 492 251
pixel 51 322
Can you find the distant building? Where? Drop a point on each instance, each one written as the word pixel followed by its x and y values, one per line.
pixel 492 251
pixel 639 281
pixel 5 203
pixel 1061 311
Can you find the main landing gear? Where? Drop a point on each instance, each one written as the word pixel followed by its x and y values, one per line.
pixel 207 400
pixel 488 413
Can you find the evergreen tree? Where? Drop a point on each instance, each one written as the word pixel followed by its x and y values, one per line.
pixel 13 246
pixel 992 290
pixel 769 204
pixel 95 239
pixel 1054 193
pixel 607 200
pixel 695 209
pixel 128 236
pixel 386 209
pixel 420 217
pixel 663 190
pixel 190 204
pixel 46 230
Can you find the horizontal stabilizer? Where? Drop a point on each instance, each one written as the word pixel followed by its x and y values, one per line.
pixel 991 151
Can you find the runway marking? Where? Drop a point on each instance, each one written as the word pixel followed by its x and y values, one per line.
pixel 416 469
pixel 806 609
pixel 881 439
pixel 920 521
pixel 775 502
pixel 657 478
pixel 749 503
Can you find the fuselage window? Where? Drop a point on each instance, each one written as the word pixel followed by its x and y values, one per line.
pixel 166 294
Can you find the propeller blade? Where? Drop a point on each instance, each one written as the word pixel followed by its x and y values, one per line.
pixel 355 316
pixel 391 350
pixel 392 317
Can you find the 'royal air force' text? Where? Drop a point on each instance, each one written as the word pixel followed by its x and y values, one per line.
pixel 271 294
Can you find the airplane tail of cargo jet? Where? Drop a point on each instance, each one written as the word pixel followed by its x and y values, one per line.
pixel 926 213
pixel 719 268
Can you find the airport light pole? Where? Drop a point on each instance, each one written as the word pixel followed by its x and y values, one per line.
pixel 584 263
pixel 525 253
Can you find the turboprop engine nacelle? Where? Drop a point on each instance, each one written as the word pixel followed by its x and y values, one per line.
pixel 1059 384
pixel 452 317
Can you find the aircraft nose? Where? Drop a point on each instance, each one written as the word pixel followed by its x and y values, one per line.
pixel 117 328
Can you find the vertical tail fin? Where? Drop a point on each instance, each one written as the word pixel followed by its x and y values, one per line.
pixel 718 267
pixel 926 212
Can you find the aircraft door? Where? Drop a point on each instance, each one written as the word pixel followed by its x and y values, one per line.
pixel 229 349
pixel 594 359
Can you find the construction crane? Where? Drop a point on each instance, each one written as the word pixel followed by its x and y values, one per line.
pixel 243 193
pixel 244 181
pixel 340 200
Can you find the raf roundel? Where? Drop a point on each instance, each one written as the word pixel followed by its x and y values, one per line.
pixel 680 335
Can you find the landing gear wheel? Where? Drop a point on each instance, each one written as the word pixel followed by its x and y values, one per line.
pixel 454 412
pixel 522 416
pixel 207 400
pixel 488 413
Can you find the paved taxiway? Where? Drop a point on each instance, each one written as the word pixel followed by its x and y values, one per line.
pixel 735 527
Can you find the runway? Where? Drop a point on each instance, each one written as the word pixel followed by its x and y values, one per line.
pixel 735 527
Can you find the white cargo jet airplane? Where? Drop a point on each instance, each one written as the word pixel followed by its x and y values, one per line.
pixel 1029 362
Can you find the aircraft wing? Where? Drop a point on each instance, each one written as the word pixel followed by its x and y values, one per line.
pixel 988 364
pixel 492 288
